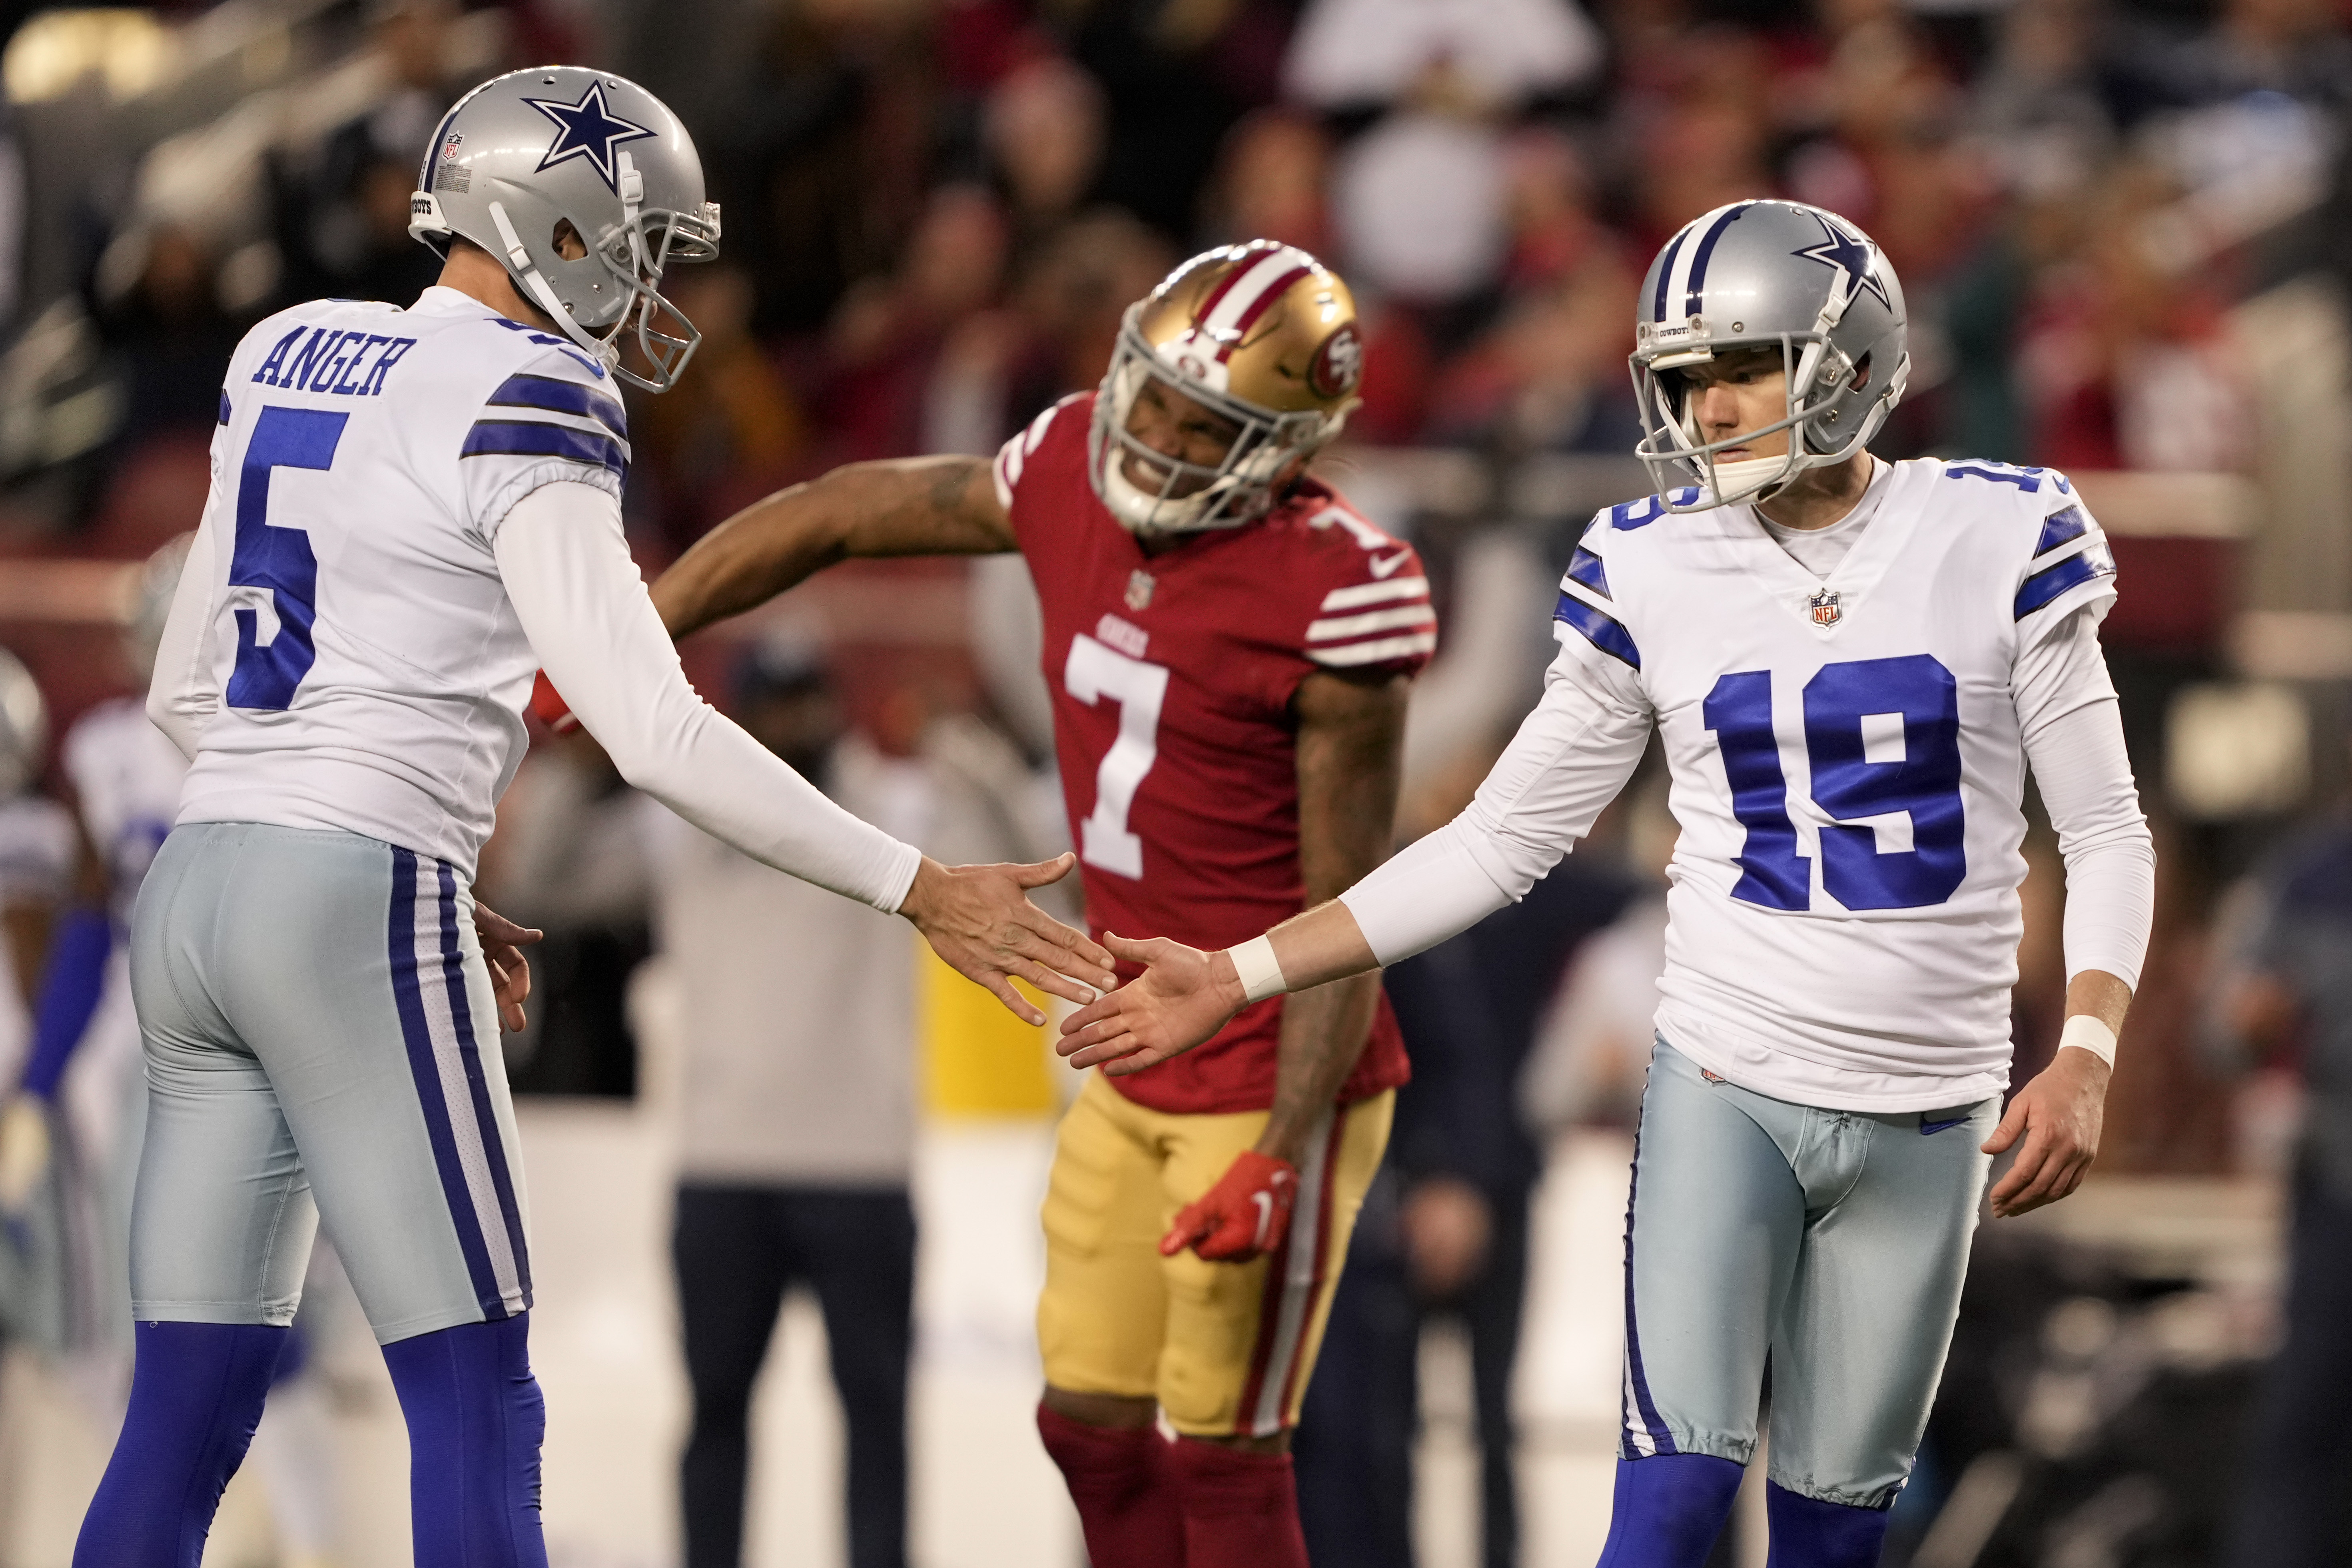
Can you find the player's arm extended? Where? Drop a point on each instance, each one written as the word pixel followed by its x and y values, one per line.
pixel 1350 763
pixel 914 506
pixel 2074 735
pixel 567 570
pixel 1570 759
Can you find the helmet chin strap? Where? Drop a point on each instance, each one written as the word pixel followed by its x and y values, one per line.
pixel 541 292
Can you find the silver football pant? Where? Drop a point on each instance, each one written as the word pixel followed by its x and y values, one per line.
pixel 322 1042
pixel 1830 1242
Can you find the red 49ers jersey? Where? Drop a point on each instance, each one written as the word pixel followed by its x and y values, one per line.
pixel 1172 677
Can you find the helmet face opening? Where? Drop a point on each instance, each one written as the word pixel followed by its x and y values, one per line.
pixel 1223 382
pixel 1794 281
pixel 1150 470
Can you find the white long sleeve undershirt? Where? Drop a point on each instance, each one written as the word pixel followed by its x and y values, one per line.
pixel 1576 750
pixel 567 570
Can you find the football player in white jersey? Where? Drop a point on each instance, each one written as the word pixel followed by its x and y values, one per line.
pixel 1851 664
pixel 411 510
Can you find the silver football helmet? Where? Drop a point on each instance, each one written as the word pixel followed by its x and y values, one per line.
pixel 24 725
pixel 1777 275
pixel 528 152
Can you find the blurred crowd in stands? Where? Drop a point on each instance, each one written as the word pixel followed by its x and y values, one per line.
pixel 936 209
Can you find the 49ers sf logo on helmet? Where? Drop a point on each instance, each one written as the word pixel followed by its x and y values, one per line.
pixel 1339 365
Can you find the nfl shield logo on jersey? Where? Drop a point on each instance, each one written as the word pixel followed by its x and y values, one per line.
pixel 1825 608
pixel 1139 584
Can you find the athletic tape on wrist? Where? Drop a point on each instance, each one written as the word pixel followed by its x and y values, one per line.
pixel 2091 1035
pixel 1261 974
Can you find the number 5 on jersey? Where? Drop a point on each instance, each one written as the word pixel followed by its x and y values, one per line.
pixel 1095 671
pixel 276 561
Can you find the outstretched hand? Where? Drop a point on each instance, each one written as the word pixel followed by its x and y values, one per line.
pixel 980 919
pixel 502 943
pixel 1182 996
pixel 2057 1115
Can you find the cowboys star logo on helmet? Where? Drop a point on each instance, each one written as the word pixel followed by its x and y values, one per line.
pixel 587 129
pixel 1725 283
pixel 620 181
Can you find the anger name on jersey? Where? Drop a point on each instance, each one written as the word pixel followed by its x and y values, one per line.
pixel 1173 676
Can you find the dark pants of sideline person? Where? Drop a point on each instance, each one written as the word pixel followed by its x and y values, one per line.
pixel 1353 1449
pixel 2294 1510
pixel 738 1250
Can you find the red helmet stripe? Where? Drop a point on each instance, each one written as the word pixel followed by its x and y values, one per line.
pixel 1239 291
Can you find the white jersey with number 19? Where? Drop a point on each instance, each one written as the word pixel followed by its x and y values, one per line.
pixel 1848 756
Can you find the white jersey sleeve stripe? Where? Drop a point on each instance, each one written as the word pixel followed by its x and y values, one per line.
pixel 1375 651
pixel 1376 593
pixel 1373 621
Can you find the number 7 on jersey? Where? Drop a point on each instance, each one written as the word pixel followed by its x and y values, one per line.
pixel 1096 670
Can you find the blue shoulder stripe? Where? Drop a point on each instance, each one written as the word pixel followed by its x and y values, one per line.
pixel 558 396
pixel 1585 567
pixel 2061 526
pixel 1640 513
pixel 1602 630
pixel 2052 581
pixel 532 438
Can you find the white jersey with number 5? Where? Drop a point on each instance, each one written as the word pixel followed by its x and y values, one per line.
pixel 372 673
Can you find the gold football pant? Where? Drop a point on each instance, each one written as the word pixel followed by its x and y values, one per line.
pixel 1226 1348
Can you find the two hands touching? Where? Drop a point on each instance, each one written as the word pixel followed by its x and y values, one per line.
pixel 978 919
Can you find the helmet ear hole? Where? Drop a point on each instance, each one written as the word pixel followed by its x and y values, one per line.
pixel 1861 374
pixel 566 242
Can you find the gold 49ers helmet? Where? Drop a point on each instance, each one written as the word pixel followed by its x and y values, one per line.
pixel 1262 335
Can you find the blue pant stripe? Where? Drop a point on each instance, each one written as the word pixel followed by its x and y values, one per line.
pixel 418 1037
pixel 453 974
pixel 1660 1435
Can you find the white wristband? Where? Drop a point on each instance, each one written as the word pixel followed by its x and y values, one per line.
pixel 1261 974
pixel 2092 1035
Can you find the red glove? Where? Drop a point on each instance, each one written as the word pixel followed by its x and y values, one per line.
pixel 549 708
pixel 1246 1214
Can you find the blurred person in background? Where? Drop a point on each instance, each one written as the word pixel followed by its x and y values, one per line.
pixel 343 202
pixel 798 1097
pixel 1550 372
pixel 36 867
pixel 729 435
pixel 1256 638
pixel 884 342
pixel 1042 128
pixel 2282 993
pixel 572 854
pixel 798 1106
pixel 79 1108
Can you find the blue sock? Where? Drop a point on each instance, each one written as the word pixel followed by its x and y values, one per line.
pixel 1810 1533
pixel 196 1392
pixel 475 1421
pixel 1668 1509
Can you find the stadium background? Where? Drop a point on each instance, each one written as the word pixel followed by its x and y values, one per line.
pixel 2123 228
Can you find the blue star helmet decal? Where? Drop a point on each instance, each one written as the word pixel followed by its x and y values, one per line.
pixel 587 129
pixel 1842 248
